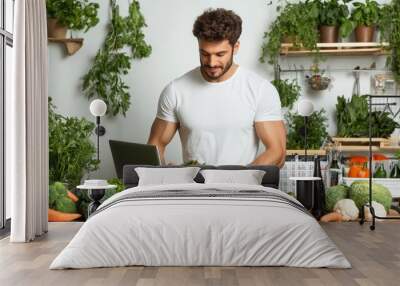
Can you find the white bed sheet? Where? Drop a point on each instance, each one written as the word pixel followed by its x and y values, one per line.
pixel 200 231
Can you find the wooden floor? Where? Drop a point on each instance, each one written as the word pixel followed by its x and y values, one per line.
pixel 374 255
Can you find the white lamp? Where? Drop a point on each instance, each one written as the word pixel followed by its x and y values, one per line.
pixel 305 108
pixel 98 108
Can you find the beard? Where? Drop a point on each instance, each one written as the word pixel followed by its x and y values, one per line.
pixel 205 69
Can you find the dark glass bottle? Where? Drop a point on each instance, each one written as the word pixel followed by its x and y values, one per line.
pixel 319 191
pixel 395 172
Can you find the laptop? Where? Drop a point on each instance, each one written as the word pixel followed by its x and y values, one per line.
pixel 127 153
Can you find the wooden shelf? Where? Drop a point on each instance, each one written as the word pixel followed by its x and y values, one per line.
pixel 340 49
pixel 362 145
pixel 71 45
pixel 320 152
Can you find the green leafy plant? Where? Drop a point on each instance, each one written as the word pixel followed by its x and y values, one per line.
pixel 389 25
pixel 352 119
pixel 365 14
pixel 297 21
pixel 289 91
pixel 104 78
pixel 74 14
pixel 335 13
pixel 71 151
pixel 316 130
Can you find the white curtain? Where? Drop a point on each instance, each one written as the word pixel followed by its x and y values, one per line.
pixel 27 123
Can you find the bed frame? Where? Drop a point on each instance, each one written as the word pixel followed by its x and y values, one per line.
pixel 270 179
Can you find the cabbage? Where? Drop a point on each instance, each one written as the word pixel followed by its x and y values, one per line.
pixel 335 194
pixel 359 193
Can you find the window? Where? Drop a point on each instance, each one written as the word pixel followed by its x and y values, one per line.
pixel 6 45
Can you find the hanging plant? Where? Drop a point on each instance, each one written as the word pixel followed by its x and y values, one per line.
pixel 296 23
pixel 104 79
pixel 289 91
pixel 389 25
pixel 316 130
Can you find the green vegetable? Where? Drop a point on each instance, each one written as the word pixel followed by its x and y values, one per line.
pixel 74 14
pixel 380 172
pixel 288 91
pixel 352 119
pixel 112 62
pixel 295 20
pixel 66 205
pixel 57 190
pixel 359 193
pixel 71 151
pixel 59 200
pixel 335 194
pixel 316 130
pixel 118 183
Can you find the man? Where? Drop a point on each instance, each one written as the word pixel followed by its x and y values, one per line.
pixel 220 109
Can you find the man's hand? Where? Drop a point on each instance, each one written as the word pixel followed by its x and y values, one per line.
pixel 273 136
pixel 161 134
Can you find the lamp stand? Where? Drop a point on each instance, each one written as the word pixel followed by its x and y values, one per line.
pixel 100 131
pixel 305 138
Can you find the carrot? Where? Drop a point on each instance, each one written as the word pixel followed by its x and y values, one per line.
pixel 72 196
pixel 334 216
pixel 60 216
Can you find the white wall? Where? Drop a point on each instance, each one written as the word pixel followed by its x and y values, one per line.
pixel 174 53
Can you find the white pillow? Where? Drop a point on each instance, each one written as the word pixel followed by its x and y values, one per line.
pixel 164 176
pixel 249 177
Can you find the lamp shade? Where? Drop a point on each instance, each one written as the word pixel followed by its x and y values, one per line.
pixel 305 107
pixel 98 107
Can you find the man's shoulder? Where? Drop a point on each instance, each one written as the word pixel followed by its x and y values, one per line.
pixel 188 77
pixel 253 76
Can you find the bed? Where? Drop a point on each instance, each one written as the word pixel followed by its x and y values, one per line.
pixel 198 224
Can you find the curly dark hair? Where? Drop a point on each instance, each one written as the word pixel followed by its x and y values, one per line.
pixel 218 25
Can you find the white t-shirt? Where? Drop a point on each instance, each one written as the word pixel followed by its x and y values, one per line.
pixel 217 119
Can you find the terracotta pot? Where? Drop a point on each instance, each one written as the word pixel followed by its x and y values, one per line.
pixel 365 33
pixel 289 39
pixel 328 34
pixel 55 30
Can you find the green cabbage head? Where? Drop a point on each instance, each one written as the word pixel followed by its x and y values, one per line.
pixel 335 194
pixel 359 193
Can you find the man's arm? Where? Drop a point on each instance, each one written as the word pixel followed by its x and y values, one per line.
pixel 273 136
pixel 161 134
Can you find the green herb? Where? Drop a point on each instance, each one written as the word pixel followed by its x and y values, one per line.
pixel 71 151
pixel 389 25
pixel 365 14
pixel 335 13
pixel 352 119
pixel 104 78
pixel 74 14
pixel 288 91
pixel 316 130
pixel 297 21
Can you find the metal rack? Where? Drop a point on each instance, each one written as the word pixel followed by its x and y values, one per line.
pixel 369 204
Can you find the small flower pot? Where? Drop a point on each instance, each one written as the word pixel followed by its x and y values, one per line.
pixel 55 29
pixel 364 33
pixel 328 34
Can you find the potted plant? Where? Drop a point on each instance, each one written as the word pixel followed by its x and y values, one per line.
pixel 289 91
pixel 316 130
pixel 333 18
pixel 297 24
pixel 364 17
pixel 317 80
pixel 70 14
pixel 389 26
pixel 71 152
